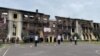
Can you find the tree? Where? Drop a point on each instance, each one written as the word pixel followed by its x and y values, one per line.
pixel 3 32
pixel 77 35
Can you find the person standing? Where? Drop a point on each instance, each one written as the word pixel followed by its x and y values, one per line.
pixel 59 39
pixel 75 40
pixel 36 40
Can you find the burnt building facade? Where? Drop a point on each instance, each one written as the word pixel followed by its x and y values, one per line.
pixel 21 24
pixel 64 26
pixel 86 29
pixel 34 23
pixel 53 31
pixel 3 24
pixel 96 30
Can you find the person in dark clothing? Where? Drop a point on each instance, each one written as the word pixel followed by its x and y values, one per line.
pixel 70 40
pixel 17 40
pixel 97 39
pixel 36 40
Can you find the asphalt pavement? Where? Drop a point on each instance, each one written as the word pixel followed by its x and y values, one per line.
pixel 52 49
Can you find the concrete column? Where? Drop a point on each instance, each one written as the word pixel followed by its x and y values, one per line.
pixel 49 39
pixel 89 37
pixel 10 25
pixel 41 34
pixel 82 37
pixel 53 39
pixel 71 34
pixel 5 19
pixel 18 24
pixel 67 37
pixel 77 27
pixel 86 36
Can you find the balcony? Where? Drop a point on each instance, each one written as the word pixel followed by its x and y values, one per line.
pixel 28 19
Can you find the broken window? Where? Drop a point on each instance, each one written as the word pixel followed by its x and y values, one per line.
pixel 59 20
pixel 53 30
pixel 54 25
pixel 15 16
pixel 14 28
pixel 73 30
pixel 39 18
pixel 45 18
pixel 14 33
pixel 60 26
pixel 97 25
pixel 25 16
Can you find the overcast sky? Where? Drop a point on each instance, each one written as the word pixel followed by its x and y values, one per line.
pixel 82 9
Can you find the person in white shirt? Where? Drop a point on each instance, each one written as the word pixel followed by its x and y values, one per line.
pixel 75 40
pixel 36 39
pixel 59 39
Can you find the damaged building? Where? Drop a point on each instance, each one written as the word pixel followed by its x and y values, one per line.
pixel 23 25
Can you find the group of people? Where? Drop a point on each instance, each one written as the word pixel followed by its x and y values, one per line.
pixel 36 39
pixel 59 39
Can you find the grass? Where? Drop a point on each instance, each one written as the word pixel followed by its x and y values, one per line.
pixel 95 42
pixel 4 45
pixel 88 42
pixel 1 45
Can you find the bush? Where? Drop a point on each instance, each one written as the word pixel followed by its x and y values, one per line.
pixel 77 35
pixel 0 45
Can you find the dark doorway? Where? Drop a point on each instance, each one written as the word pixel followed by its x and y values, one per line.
pixel 51 39
pixel 31 36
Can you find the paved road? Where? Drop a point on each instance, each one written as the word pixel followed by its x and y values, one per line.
pixel 65 49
